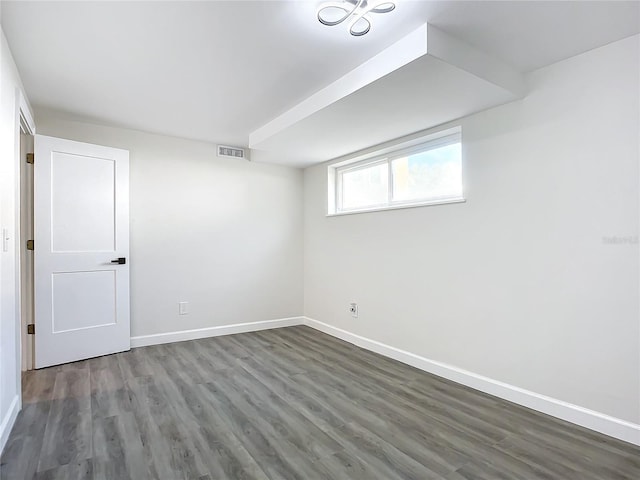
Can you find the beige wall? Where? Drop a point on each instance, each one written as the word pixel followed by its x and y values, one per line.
pixel 519 283
pixel 224 235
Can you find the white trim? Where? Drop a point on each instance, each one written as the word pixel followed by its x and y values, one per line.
pixel 26 117
pixel 600 422
pixel 181 336
pixel 23 122
pixel 399 206
pixel 8 421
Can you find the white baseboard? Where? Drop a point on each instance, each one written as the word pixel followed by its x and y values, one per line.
pixel 181 336
pixel 8 421
pixel 600 422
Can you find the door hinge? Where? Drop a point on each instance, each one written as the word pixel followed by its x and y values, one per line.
pixel 31 329
pixel 30 157
pixel 30 245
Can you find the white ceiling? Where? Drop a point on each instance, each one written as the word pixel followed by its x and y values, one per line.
pixel 218 70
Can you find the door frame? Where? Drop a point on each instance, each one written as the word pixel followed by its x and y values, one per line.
pixel 24 125
pixel 26 296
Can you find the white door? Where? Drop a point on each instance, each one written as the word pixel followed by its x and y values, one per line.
pixel 81 223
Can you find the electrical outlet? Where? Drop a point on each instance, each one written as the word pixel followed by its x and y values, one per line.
pixel 353 309
pixel 183 308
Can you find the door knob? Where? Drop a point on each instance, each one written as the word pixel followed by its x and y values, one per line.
pixel 119 261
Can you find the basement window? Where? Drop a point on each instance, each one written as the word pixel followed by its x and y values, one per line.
pixel 423 171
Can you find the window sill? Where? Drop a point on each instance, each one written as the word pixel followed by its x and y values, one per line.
pixel 399 206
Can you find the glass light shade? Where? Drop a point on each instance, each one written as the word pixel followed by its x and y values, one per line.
pixel 335 12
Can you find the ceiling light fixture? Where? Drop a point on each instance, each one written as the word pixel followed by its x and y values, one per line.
pixel 335 12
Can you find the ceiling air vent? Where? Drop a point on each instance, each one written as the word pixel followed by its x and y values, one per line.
pixel 231 152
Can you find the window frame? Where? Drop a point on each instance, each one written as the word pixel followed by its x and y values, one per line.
pixel 354 168
pixel 387 156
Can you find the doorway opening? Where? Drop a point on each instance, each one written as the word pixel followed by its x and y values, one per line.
pixel 25 233
pixel 26 256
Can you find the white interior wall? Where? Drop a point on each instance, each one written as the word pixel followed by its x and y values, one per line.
pixel 223 234
pixel 524 282
pixel 10 86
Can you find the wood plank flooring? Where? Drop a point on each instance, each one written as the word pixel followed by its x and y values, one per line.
pixel 290 403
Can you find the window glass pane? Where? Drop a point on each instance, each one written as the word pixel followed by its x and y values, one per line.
pixel 365 187
pixel 432 174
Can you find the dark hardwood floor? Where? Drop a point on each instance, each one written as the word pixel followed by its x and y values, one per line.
pixel 290 403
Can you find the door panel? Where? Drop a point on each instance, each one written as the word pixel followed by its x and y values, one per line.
pixel 89 224
pixel 81 203
pixel 83 300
